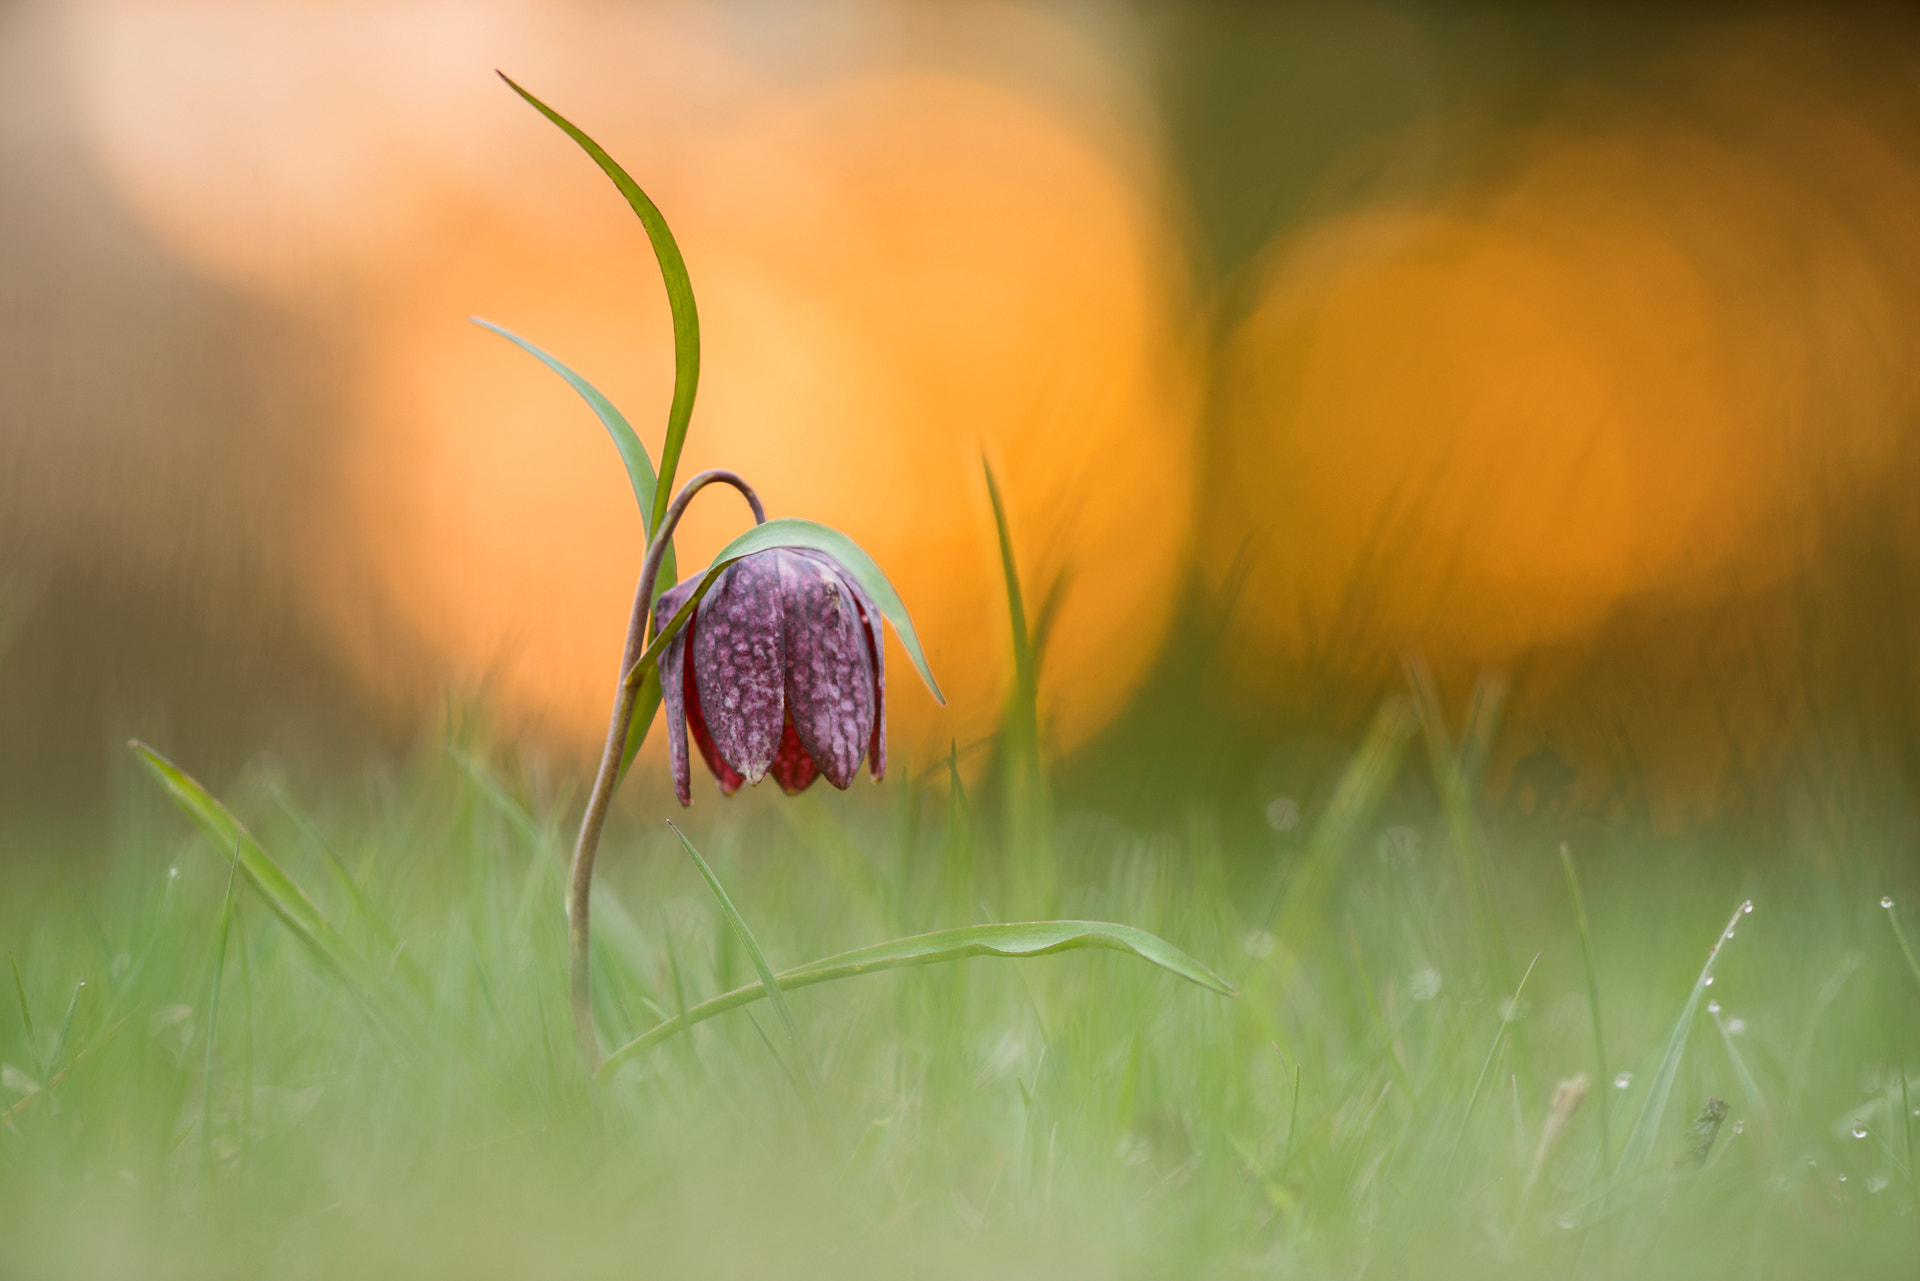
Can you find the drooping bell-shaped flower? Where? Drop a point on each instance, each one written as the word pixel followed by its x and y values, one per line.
pixel 779 671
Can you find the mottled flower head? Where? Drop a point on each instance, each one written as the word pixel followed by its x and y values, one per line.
pixel 779 671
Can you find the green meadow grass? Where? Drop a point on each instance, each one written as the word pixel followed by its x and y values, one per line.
pixel 190 1091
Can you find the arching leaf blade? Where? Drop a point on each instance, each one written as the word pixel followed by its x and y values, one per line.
pixel 673 271
pixel 281 892
pixel 769 985
pixel 787 531
pixel 632 453
pixel 1641 1139
pixel 1016 940
pixel 640 475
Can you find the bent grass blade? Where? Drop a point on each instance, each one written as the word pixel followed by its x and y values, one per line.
pixel 768 983
pixel 802 1068
pixel 288 901
pixel 1647 1129
pixel 1020 939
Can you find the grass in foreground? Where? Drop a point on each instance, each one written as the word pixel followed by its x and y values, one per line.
pixel 1396 1091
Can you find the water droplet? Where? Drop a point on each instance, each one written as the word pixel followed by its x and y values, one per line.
pixel 1746 907
pixel 1843 1178
pixel 1707 981
pixel 173 874
pixel 1739 1127
pixel 1886 900
pixel 1622 1081
pixel 1878 1183
pixel 1713 1007
pixel 1859 1128
pixel 1736 1026
pixel 1729 933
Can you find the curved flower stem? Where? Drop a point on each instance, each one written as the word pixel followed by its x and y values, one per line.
pixel 580 878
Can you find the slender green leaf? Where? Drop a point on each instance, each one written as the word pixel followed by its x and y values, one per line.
pixel 26 1014
pixel 1647 1129
pixel 1742 1073
pixel 1593 998
pixel 1906 947
pixel 1026 686
pixel 1906 1117
pixel 1479 1082
pixel 788 531
pixel 632 452
pixel 686 319
pixel 1356 796
pixel 1020 939
pixel 1451 780
pixel 213 1021
pixel 66 1024
pixel 288 901
pixel 769 985
pixel 640 476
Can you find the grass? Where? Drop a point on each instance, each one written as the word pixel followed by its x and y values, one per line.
pixel 1372 1103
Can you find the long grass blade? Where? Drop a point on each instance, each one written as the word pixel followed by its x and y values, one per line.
pixel 1741 1072
pixel 26 1016
pixel 12 1114
pixel 1906 1121
pixel 213 1022
pixel 769 984
pixel 1486 1066
pixel 1593 999
pixel 686 317
pixel 66 1024
pixel 1025 708
pixel 1899 932
pixel 1451 781
pixel 1647 1128
pixel 1020 939
pixel 1355 798
pixel 282 894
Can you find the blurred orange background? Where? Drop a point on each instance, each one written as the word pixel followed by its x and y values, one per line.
pixel 1595 367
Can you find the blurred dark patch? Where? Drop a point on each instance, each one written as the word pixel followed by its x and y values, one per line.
pixel 1779 711
pixel 164 444
pixel 1271 109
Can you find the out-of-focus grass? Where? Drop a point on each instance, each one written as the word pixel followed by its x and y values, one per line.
pixel 1373 1102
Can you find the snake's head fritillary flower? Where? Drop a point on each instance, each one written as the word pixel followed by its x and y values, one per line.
pixel 779 671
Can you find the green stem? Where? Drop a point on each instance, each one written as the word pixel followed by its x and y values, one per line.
pixel 580 876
